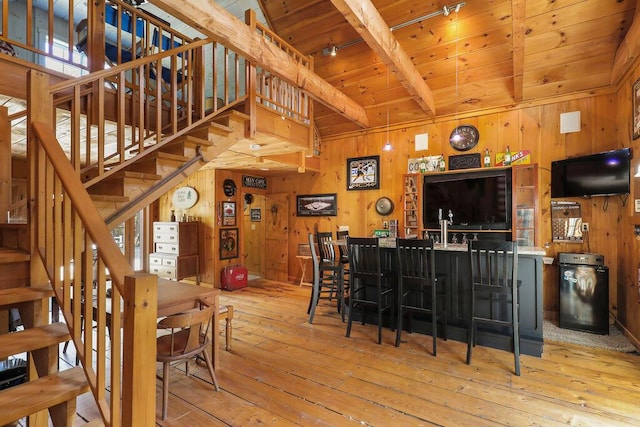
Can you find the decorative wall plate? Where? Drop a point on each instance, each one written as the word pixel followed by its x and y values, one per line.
pixel 185 197
pixel 384 206
pixel 464 137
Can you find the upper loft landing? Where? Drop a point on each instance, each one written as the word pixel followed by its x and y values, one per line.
pixel 170 83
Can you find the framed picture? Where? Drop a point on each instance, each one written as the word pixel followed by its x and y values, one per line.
pixel 363 173
pixel 256 214
pixel 635 113
pixel 228 243
pixel 317 205
pixel 228 213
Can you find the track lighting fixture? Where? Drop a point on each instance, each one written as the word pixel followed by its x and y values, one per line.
pixel 446 11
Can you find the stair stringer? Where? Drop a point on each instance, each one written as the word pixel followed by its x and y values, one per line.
pixel 216 137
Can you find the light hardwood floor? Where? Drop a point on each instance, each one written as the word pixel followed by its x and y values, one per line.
pixel 283 371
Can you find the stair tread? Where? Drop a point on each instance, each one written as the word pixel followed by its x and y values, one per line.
pixel 136 175
pixel 30 397
pixel 108 198
pixel 12 296
pixel 195 141
pixel 33 339
pixel 8 255
pixel 168 156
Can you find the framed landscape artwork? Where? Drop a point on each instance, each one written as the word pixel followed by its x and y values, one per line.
pixel 363 173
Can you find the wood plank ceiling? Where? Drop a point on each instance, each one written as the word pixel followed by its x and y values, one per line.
pixel 490 54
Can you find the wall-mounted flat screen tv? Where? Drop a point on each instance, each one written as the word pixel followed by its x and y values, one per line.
pixel 601 174
pixel 478 200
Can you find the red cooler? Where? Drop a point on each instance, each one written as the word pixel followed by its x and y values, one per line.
pixel 234 277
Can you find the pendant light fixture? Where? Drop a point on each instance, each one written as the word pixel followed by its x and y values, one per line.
pixel 455 135
pixel 387 146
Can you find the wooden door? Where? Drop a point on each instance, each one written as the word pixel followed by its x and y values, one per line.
pixel 254 218
pixel 276 247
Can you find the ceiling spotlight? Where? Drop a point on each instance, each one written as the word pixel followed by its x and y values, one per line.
pixel 457 9
pixel 446 11
pixel 333 51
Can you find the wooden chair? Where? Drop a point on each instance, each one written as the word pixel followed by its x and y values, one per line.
pixel 494 291
pixel 187 338
pixel 370 285
pixel 226 313
pixel 327 282
pixel 420 289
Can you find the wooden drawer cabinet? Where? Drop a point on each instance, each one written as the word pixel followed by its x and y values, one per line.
pixel 176 250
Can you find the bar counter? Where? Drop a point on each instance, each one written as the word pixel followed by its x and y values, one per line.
pixel 454 262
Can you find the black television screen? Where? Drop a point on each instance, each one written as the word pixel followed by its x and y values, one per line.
pixel 601 174
pixel 478 200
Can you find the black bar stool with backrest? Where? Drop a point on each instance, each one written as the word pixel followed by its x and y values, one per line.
pixel 420 289
pixel 494 290
pixel 370 285
pixel 327 282
pixel 343 250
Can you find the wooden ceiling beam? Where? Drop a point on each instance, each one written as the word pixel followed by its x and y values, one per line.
pixel 627 52
pixel 366 19
pixel 211 19
pixel 518 22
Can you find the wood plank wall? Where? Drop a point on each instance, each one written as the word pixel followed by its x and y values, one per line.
pixel 208 183
pixel 534 128
pixel 606 123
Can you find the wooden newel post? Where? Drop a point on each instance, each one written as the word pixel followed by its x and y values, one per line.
pixel 139 350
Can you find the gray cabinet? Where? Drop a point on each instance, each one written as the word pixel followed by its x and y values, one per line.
pixel 175 255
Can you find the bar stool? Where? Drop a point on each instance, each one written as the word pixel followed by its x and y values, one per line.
pixel 420 289
pixel 494 291
pixel 370 286
pixel 327 282
pixel 343 250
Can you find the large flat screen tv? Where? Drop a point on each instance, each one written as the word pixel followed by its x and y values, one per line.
pixel 601 174
pixel 478 200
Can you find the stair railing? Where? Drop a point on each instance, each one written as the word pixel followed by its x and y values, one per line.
pixel 111 118
pixel 84 265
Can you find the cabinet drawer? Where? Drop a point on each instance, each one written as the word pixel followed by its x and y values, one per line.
pixel 168 248
pixel 166 237
pixel 164 272
pixel 165 228
pixel 158 259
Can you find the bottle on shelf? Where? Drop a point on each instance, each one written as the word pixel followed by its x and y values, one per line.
pixel 507 157
pixel 423 165
pixel 173 215
pixel 487 158
pixel 441 164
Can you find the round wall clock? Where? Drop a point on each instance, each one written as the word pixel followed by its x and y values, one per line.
pixel 464 137
pixel 384 206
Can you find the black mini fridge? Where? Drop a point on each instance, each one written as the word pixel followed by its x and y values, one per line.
pixel 584 292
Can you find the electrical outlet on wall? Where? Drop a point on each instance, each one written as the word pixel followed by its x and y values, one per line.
pixel 585 227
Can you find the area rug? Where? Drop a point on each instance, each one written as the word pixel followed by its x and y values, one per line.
pixel 615 341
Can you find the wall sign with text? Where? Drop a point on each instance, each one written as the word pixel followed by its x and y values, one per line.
pixel 254 182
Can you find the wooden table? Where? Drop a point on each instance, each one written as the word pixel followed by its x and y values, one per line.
pixel 176 297
pixel 303 265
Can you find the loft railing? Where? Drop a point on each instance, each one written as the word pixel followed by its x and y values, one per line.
pixel 38 33
pixel 273 92
pixel 83 263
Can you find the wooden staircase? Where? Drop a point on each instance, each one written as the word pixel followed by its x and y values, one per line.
pixel 122 194
pixel 46 388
